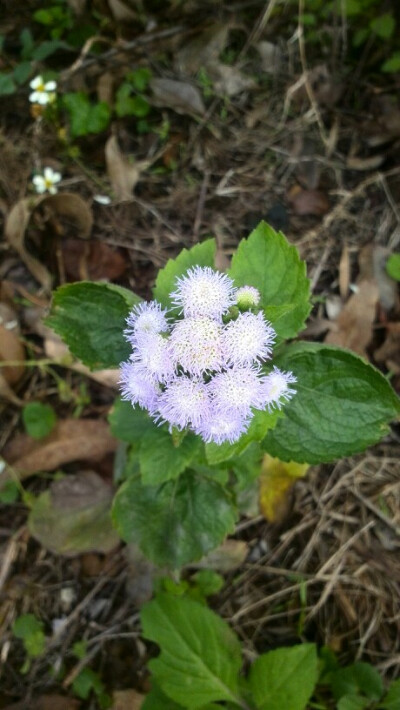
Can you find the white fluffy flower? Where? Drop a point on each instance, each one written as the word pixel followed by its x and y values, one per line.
pixel 47 182
pixel 43 92
pixel 204 292
pixel 152 353
pixel 222 426
pixel 248 338
pixel 237 390
pixel 277 389
pixel 196 345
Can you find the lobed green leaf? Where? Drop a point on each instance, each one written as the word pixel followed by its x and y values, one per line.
pixel 200 255
pixel 284 678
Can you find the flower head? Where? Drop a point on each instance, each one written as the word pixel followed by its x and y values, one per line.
pixel 277 389
pixel 137 387
pixel 43 92
pixel 237 390
pixel 146 318
pixel 186 401
pixel 223 426
pixel 151 352
pixel 204 292
pixel 196 345
pixel 46 182
pixel 247 297
pixel 248 338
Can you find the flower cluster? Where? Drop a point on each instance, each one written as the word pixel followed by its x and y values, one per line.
pixel 203 370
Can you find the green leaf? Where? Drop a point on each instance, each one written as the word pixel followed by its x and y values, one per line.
pixel 177 522
pixel 393 263
pixel 353 702
pixel 342 405
pixel 84 116
pixel 261 423
pixel 157 700
pixel 7 84
pixel 90 318
pixel 22 72
pixel 86 682
pixel 128 105
pixel 9 492
pixel 268 262
pixel 356 679
pixel 140 78
pixel 30 630
pixel 46 49
pixel 200 655
pixel 384 25
pixel 39 419
pixel 208 582
pixel 392 65
pixel 391 701
pixel 160 459
pixel 129 423
pixel 284 678
pixel 200 255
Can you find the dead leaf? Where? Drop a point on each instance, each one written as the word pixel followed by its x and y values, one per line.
pixel 389 352
pixel 123 174
pixel 92 260
pixel 74 516
pixel 70 440
pixel 55 348
pixel 180 96
pixel 121 12
pixel 354 325
pixel 303 202
pixel 202 51
pixel 66 205
pixel 11 350
pixel 127 700
pixel 227 557
pixel 276 482
pixel 230 80
pixel 271 57
pixel 140 575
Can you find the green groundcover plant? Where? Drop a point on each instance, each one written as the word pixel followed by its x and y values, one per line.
pixel 209 386
pixel 200 666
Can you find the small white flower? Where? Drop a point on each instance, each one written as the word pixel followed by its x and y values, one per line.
pixel 276 388
pixel 247 297
pixel 203 292
pixel 248 338
pixel 43 92
pixel 145 318
pixel 196 345
pixel 102 199
pixel 46 182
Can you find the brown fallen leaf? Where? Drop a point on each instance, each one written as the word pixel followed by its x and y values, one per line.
pixel 121 11
pixel 65 205
pixel 203 50
pixel 303 202
pixel 353 327
pixel 11 350
pixel 271 57
pixel 141 573
pixel 344 272
pixel 74 516
pixel 389 352
pixel 91 260
pixel 230 81
pixel 127 700
pixel 180 96
pixel 70 440
pixel 123 174
pixel 276 482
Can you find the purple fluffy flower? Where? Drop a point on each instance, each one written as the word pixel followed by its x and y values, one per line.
pixel 204 292
pixel 277 389
pixel 248 338
pixel 146 318
pixel 137 387
pixel 236 390
pixel 196 345
pixel 185 402
pixel 223 426
pixel 151 351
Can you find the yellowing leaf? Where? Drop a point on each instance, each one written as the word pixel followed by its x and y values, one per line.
pixel 276 481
